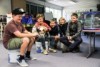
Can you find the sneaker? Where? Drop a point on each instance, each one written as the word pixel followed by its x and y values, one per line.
pixel 45 52
pixel 34 58
pixel 28 58
pixel 65 51
pixel 22 63
pixel 76 51
pixel 52 50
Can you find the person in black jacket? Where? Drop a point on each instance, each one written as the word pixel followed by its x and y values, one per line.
pixel 53 35
pixel 73 38
pixel 62 26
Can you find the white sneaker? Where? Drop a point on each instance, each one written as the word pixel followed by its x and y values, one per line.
pixel 52 50
pixel 34 58
pixel 45 52
pixel 22 63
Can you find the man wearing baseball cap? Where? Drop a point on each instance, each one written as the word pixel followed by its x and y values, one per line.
pixel 17 37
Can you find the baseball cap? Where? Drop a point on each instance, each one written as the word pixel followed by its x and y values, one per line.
pixel 18 11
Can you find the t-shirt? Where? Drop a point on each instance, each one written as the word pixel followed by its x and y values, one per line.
pixel 9 30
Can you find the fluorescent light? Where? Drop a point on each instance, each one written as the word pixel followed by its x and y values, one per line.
pixel 54 0
pixel 71 2
pixel 74 1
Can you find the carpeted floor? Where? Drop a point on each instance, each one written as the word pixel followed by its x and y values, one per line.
pixel 58 59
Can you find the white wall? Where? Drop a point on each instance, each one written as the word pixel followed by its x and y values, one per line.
pixel 80 7
pixel 5 7
pixel 68 11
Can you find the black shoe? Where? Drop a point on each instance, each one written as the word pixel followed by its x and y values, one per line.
pixel 28 58
pixel 22 62
pixel 65 51
pixel 76 51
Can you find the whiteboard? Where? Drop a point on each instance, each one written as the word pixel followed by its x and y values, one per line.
pixel 48 16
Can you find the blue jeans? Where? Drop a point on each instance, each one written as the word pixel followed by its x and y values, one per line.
pixel 53 43
pixel 42 40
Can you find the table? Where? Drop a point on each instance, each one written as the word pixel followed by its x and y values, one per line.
pixel 92 36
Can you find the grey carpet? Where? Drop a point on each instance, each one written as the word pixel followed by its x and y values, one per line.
pixel 58 59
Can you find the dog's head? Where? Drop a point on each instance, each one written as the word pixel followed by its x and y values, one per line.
pixel 42 28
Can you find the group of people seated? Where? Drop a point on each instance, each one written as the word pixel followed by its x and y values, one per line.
pixel 68 33
pixel 17 37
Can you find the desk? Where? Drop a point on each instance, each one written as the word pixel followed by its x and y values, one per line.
pixel 92 36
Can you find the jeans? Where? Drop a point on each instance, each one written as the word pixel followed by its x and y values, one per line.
pixel 42 40
pixel 53 43
pixel 72 46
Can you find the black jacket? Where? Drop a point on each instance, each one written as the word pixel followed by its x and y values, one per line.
pixel 54 31
pixel 63 29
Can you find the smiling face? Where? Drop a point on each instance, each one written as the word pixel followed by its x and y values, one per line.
pixel 74 18
pixel 52 24
pixel 40 20
pixel 62 21
pixel 17 18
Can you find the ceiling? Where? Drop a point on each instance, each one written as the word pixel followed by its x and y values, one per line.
pixel 68 3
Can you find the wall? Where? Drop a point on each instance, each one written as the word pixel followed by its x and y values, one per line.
pixel 5 7
pixel 67 11
pixel 19 3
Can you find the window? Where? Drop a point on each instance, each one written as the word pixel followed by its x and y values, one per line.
pixel 40 9
pixel 34 9
pixel 27 8
pixel 47 9
pixel 56 13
